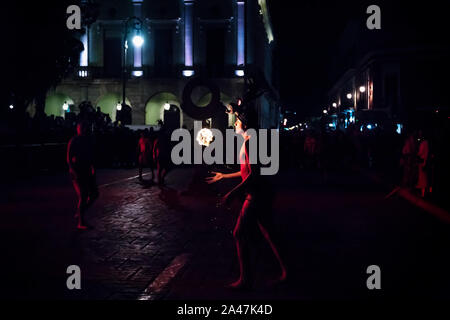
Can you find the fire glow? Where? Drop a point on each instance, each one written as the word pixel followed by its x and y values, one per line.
pixel 205 137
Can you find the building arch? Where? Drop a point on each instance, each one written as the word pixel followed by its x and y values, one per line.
pixel 54 104
pixel 154 108
pixel 108 104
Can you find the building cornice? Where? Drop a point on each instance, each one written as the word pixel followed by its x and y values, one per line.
pixel 388 54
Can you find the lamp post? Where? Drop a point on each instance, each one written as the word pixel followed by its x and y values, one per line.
pixel 138 41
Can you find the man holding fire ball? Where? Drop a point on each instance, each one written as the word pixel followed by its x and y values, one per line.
pixel 256 208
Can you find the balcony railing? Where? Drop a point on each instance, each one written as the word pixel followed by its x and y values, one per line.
pixel 148 72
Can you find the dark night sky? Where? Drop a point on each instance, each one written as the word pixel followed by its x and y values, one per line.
pixel 308 37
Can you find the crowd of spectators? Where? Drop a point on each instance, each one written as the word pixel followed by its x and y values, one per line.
pixel 40 142
pixel 416 159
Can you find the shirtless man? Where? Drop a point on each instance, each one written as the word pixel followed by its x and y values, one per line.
pixel 80 160
pixel 255 209
pixel 145 150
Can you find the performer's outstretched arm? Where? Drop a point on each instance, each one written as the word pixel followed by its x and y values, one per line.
pixel 219 176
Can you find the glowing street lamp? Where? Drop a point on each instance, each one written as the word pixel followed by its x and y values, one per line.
pixel 335 104
pixel 239 73
pixel 188 73
pixel 137 40
pixel 11 106
pixel 362 89
pixel 349 95
pixel 325 111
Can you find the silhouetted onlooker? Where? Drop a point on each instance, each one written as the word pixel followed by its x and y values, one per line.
pixel 80 158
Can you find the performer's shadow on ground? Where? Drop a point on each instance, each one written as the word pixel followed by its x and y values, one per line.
pixel 147 183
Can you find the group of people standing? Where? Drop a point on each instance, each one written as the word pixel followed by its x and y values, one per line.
pixel 153 151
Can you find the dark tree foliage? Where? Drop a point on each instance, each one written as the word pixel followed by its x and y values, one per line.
pixel 40 49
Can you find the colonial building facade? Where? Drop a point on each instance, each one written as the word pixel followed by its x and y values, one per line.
pixel 181 39
pixel 397 86
pixel 388 76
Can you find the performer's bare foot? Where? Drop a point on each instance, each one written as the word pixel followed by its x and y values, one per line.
pixel 239 285
pixel 84 226
pixel 280 280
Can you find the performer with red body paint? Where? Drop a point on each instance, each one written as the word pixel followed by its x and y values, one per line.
pixel 256 208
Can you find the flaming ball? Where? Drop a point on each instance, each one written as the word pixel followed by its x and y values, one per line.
pixel 205 137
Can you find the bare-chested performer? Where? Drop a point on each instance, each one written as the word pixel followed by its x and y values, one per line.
pixel 145 150
pixel 80 158
pixel 256 209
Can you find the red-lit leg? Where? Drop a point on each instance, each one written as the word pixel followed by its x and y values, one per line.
pixel 275 252
pixel 242 250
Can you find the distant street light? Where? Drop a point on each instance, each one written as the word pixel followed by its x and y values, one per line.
pixel 138 41
pixel 11 106
pixel 349 95
pixel 325 111
pixel 362 89
pixel 239 73
pixel 334 104
pixel 188 73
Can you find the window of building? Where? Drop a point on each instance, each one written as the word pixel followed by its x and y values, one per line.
pixel 215 52
pixel 112 57
pixel 391 92
pixel 163 52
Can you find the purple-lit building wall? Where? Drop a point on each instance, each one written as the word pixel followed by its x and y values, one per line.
pixel 182 38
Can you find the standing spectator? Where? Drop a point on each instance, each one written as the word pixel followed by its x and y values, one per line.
pixel 408 161
pixel 80 158
pixel 161 154
pixel 145 149
pixel 310 149
pixel 423 182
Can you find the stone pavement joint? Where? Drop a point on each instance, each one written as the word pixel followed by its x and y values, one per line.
pixel 164 278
